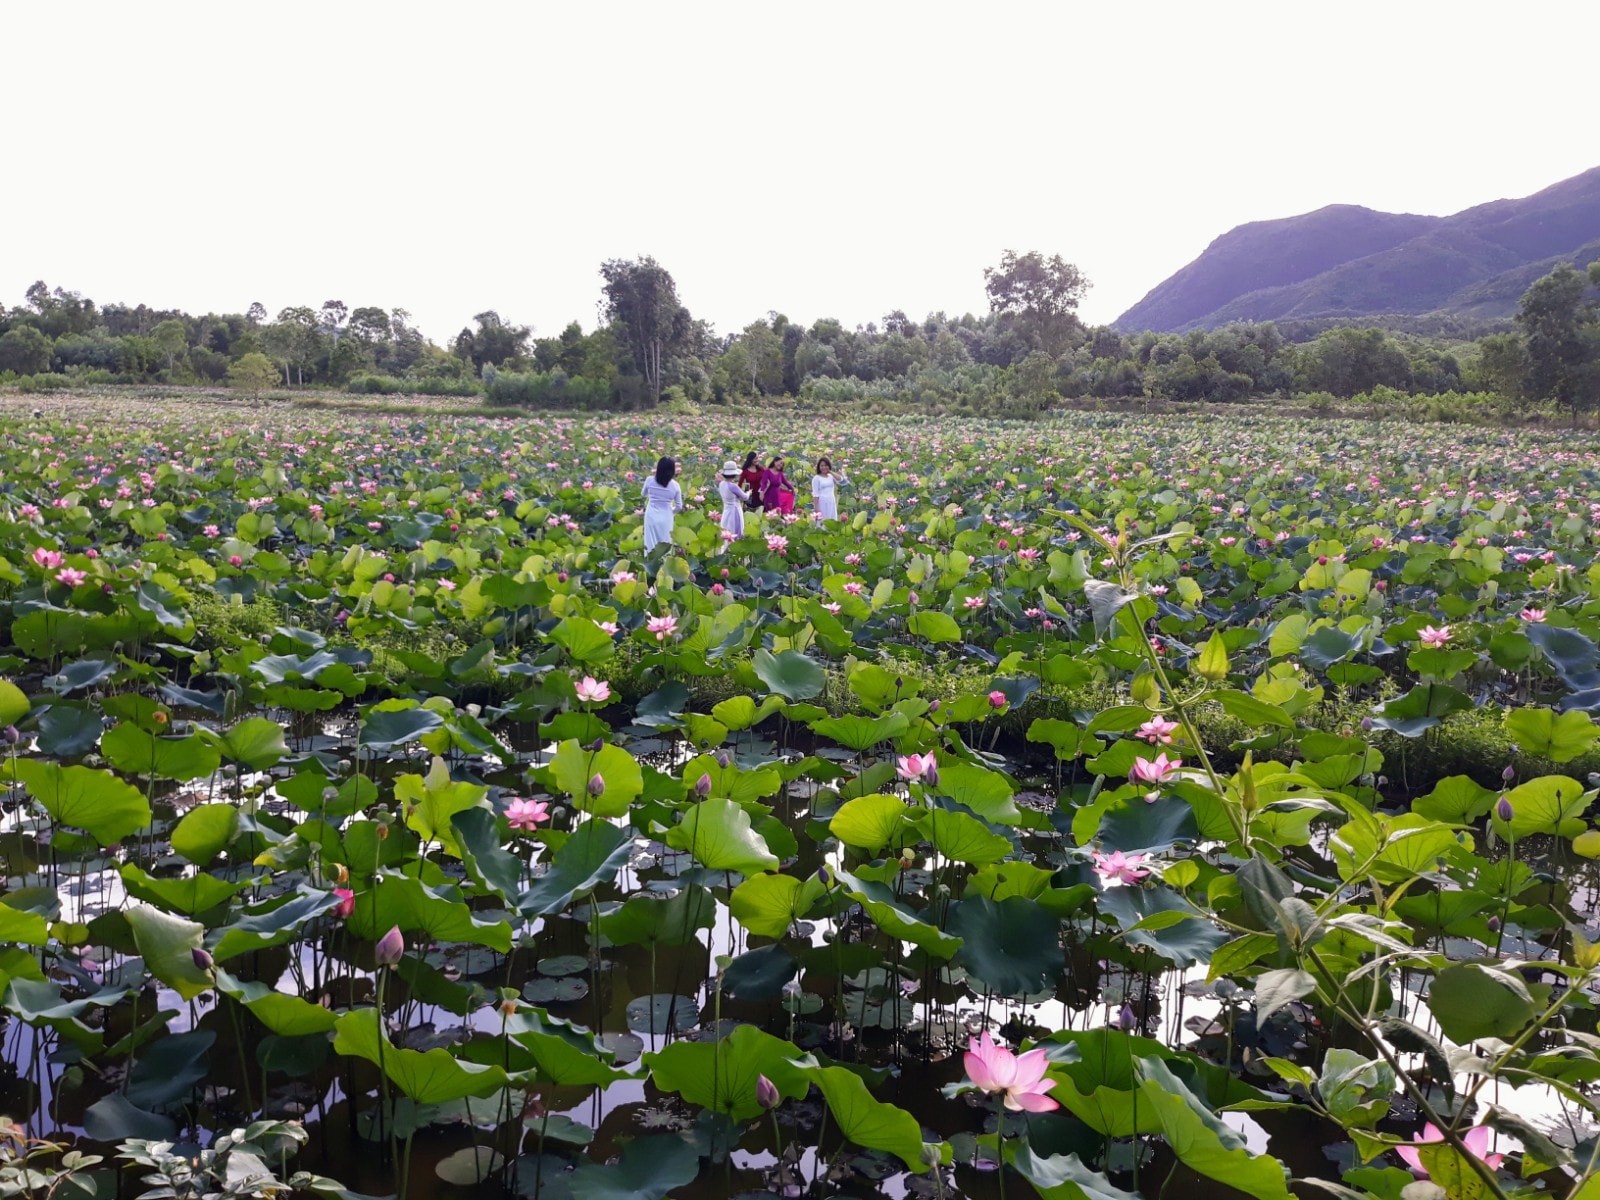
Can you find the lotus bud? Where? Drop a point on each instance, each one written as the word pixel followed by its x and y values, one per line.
pixel 997 699
pixel 389 948
pixel 1494 924
pixel 1503 810
pixel 724 760
pixel 1366 724
pixel 11 736
pixel 1322 560
pixel 930 773
pixel 933 708
pixel 1125 1019
pixel 932 1156
pixel 1509 773
pixel 824 877
pixel 329 795
pixel 899 682
pixel 597 784
pixel 382 831
pixel 202 958
pixel 702 786
pixel 766 1093
pixel 597 745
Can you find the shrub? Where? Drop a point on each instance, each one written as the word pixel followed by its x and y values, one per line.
pixel 44 383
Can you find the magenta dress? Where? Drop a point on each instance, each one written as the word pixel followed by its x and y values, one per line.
pixel 776 492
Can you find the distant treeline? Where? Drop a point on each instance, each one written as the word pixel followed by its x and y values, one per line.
pixel 1029 351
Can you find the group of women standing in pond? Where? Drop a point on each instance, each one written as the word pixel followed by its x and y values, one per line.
pixel 751 486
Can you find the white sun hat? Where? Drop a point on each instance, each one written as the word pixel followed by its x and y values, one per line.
pixel 730 467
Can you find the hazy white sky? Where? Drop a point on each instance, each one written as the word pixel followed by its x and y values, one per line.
pixel 825 159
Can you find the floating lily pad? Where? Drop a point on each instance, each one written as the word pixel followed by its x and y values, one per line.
pixel 563 964
pixel 661 1013
pixel 555 991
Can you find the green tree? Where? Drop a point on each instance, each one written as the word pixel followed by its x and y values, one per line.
pixel 763 358
pixel 172 336
pixel 252 373
pixel 1043 292
pixel 494 343
pixel 25 350
pixel 642 300
pixel 1557 321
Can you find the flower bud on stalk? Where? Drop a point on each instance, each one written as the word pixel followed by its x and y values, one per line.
pixel 1503 810
pixel 389 948
pixel 702 786
pixel 766 1093
pixel 597 784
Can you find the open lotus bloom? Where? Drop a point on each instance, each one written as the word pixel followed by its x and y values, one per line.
pixel 1019 1077
pixel 1476 1139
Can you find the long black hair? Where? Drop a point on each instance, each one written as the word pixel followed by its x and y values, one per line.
pixel 665 470
pixel 824 461
pixel 750 460
pixel 776 459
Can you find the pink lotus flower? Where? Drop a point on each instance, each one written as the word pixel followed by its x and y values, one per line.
pixel 525 815
pixel 777 543
pixel 346 905
pixel 610 627
pixel 1120 868
pixel 835 609
pixel 853 588
pixel 70 576
pixel 211 531
pixel 622 577
pixel 1019 1078
pixel 997 699
pixel 1157 731
pixel 1154 770
pixel 972 602
pixel 389 948
pixel 917 767
pixel 1476 1139
pixel 1027 554
pixel 48 559
pixel 1434 637
pixel 1533 616
pixel 662 627
pixel 593 691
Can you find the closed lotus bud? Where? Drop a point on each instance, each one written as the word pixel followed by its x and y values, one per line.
pixel 202 958
pixel 930 773
pixel 724 760
pixel 597 784
pixel 824 877
pixel 1494 924
pixel 766 1093
pixel 933 708
pixel 1366 724
pixel 329 795
pixel 597 745
pixel 702 786
pixel 389 948
pixel 899 682
pixel 383 832
pixel 1503 810
pixel 1509 773
pixel 11 736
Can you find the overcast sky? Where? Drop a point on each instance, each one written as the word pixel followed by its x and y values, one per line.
pixel 821 159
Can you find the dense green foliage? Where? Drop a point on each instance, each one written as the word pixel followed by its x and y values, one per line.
pixel 353 761
pixel 1030 353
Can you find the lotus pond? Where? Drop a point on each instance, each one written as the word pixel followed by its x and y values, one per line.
pixel 1104 806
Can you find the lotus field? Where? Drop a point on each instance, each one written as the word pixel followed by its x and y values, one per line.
pixel 1102 806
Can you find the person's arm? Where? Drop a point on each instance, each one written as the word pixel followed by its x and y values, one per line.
pixel 677 496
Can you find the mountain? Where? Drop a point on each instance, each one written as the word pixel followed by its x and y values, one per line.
pixel 1344 261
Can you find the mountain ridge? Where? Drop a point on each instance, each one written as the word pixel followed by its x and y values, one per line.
pixel 1348 261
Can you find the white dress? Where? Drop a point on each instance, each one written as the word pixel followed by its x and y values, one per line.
pixel 660 503
pixel 825 492
pixel 733 501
